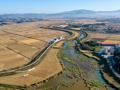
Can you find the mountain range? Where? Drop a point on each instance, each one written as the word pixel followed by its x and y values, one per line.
pixel 68 14
pixel 88 14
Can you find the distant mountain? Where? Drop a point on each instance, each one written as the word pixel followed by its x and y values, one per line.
pixel 89 14
pixel 68 14
pixel 74 13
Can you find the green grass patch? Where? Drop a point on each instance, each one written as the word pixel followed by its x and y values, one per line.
pixel 94 83
pixel 62 56
pixel 84 59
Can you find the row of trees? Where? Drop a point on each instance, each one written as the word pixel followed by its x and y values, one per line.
pixel 88 45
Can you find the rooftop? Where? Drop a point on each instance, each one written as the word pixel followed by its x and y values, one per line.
pixel 110 42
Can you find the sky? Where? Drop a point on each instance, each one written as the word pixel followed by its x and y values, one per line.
pixel 55 6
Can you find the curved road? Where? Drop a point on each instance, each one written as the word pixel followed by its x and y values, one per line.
pixel 34 60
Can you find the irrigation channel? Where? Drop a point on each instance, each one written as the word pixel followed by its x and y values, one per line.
pixel 76 65
pixel 98 70
pixel 79 72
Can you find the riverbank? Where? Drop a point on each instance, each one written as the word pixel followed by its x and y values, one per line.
pixel 104 71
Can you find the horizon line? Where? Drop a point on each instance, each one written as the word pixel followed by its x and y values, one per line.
pixel 60 12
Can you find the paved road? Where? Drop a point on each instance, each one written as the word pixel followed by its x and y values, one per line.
pixel 34 61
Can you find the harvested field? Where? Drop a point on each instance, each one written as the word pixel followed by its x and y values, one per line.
pixel 85 22
pixel 19 42
pixel 101 36
pixel 115 37
pixel 58 45
pixel 48 67
pixel 29 41
pixel 10 59
pixel 24 50
pixel 76 29
pixel 111 42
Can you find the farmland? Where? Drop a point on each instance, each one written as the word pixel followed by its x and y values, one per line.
pixel 40 63
pixel 20 42
pixel 103 36
pixel 38 73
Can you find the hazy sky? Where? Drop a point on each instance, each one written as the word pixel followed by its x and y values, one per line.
pixel 53 6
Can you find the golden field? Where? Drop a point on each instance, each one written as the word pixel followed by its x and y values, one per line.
pixel 19 42
pixel 48 67
pixel 103 36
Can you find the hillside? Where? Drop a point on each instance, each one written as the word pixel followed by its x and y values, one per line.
pixel 67 14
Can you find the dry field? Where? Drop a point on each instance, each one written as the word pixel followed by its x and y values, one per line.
pixel 76 29
pixel 112 41
pixel 75 34
pixel 58 45
pixel 99 36
pixel 9 59
pixel 19 42
pixel 85 22
pixel 48 67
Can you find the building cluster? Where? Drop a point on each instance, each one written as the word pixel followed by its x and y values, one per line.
pixel 56 39
pixel 112 53
pixel 109 49
pixel 113 26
